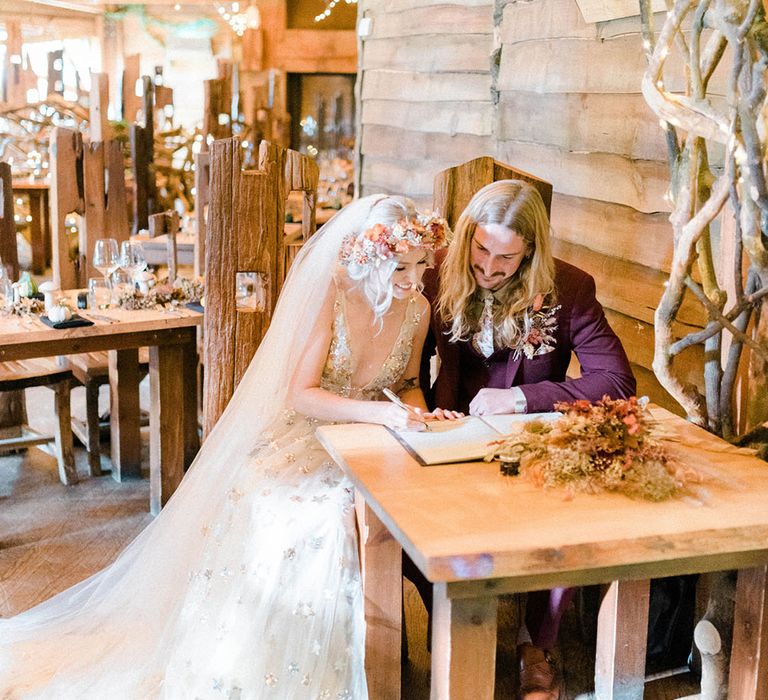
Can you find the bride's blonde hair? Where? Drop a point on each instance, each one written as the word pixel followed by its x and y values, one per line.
pixel 518 206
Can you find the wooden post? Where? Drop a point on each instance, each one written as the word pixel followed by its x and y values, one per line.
pixel 748 677
pixel 66 195
pixel 167 223
pixel 163 99
pixel 454 187
pixel 202 199
pixel 253 50
pixel 16 79
pixel 217 102
pixel 116 212
pixel 463 646
pixel 56 72
pixel 12 411
pixel 245 234
pixel 131 73
pixel 98 123
pixel 622 631
pixel 383 594
pixel 124 414
pixel 302 174
pixel 142 156
pixel 172 393
pixel 106 206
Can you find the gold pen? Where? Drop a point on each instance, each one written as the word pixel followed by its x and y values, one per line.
pixel 395 399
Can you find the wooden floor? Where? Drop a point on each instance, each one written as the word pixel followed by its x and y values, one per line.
pixel 52 536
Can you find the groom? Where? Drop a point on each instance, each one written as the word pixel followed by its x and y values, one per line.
pixel 506 317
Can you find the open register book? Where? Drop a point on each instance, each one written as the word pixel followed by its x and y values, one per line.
pixel 464 440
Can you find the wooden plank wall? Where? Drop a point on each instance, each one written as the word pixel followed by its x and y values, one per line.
pixel 537 87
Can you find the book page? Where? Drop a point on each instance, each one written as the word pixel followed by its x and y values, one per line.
pixel 464 440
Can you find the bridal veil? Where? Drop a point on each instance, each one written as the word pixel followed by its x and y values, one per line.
pixel 115 622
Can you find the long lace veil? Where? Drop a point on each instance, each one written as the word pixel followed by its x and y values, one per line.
pixel 113 622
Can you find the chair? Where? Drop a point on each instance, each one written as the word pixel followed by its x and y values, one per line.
pixel 454 187
pixel 88 179
pixel 16 376
pixel 167 223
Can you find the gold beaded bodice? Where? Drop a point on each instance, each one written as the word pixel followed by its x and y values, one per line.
pixel 339 365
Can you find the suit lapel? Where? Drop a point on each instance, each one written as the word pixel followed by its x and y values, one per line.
pixel 513 367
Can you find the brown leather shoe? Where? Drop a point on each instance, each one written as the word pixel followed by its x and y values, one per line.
pixel 538 676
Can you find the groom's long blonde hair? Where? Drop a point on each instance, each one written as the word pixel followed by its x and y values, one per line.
pixel 519 206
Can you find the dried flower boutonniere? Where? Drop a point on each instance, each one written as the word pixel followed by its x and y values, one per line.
pixel 539 326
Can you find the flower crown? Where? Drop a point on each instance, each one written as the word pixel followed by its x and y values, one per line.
pixel 380 242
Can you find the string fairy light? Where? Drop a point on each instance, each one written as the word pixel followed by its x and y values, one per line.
pixel 325 14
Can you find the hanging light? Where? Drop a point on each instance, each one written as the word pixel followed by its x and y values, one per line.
pixel 237 18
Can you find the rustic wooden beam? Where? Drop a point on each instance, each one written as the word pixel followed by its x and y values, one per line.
pixel 131 73
pixel 67 195
pixel 383 601
pixel 202 199
pixel 245 234
pixel 622 629
pixel 748 676
pixel 12 409
pixel 98 123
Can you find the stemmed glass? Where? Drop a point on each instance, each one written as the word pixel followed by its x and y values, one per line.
pixel 132 258
pixel 105 258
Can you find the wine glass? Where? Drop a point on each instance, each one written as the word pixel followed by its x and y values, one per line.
pixel 132 258
pixel 105 258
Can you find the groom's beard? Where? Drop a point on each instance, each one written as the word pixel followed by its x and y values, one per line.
pixel 492 282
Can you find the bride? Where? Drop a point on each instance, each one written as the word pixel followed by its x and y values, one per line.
pixel 248 585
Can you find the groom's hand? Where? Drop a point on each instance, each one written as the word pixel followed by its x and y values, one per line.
pixel 491 401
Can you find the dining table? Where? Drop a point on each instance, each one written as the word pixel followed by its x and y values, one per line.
pixel 477 534
pixel 170 335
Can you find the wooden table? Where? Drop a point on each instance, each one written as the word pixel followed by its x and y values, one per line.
pixel 476 535
pixel 174 439
pixel 40 226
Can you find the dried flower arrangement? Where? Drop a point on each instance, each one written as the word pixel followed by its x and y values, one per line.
pixel 164 294
pixel 610 445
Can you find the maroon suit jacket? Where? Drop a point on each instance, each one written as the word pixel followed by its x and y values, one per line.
pixel 582 328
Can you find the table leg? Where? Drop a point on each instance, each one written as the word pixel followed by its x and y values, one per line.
pixel 64 453
pixel 748 677
pixel 622 631
pixel 166 423
pixel 191 435
pixel 381 566
pixel 45 213
pixel 463 646
pixel 124 414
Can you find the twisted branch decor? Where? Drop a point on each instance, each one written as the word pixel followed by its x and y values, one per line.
pixel 698 34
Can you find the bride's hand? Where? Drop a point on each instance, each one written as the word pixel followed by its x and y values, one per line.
pixel 443 414
pixel 397 418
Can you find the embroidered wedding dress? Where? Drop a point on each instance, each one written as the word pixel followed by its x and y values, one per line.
pixel 247 584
